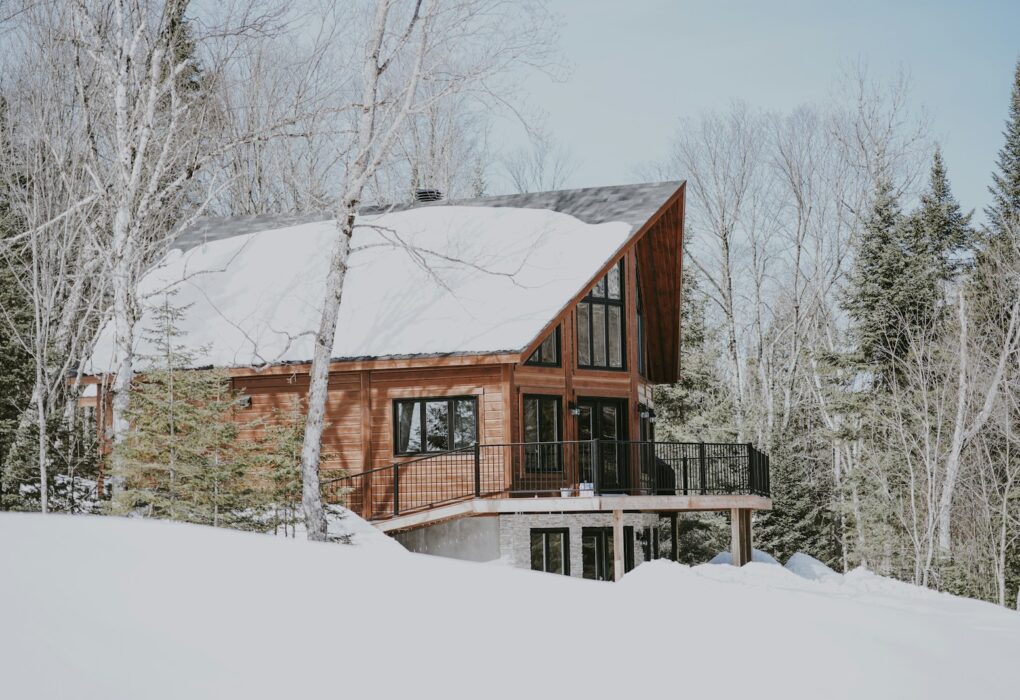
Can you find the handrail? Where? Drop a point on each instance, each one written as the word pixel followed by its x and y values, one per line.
pixel 575 468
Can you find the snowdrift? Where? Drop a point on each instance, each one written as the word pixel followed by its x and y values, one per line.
pixel 100 607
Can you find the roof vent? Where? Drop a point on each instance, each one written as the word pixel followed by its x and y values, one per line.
pixel 427 195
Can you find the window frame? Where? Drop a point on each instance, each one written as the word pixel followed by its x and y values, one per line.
pixel 639 320
pixel 544 532
pixel 557 451
pixel 591 300
pixel 450 412
pixel 532 362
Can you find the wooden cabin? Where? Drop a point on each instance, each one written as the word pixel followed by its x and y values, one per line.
pixel 491 395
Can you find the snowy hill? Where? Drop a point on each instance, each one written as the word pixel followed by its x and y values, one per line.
pixel 115 608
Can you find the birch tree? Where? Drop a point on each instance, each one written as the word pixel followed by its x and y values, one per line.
pixel 52 256
pixel 448 47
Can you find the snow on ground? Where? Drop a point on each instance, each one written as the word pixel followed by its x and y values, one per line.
pixel 345 526
pixel 810 568
pixel 756 555
pixel 498 275
pixel 102 607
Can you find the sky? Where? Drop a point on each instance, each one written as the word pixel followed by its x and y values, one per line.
pixel 637 66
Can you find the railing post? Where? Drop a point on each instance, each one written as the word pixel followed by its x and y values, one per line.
pixel 396 489
pixel 702 471
pixel 478 470
pixel 750 468
pixel 596 465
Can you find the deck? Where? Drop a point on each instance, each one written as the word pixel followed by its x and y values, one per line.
pixel 584 476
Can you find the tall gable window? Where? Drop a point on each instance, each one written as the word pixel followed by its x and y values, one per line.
pixel 548 353
pixel 600 323
pixel 434 425
pixel 642 360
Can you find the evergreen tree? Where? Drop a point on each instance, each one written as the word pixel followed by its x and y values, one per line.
pixel 697 407
pixel 1004 213
pixel 17 370
pixel 941 234
pixel 875 297
pixel 181 459
pixel 279 454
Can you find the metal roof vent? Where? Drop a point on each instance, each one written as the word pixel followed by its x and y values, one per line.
pixel 427 195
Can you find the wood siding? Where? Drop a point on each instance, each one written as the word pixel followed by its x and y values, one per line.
pixel 359 432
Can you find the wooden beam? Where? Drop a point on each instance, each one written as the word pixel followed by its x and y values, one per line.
pixel 618 548
pixel 745 534
pixel 736 551
pixel 573 504
pixel 740 534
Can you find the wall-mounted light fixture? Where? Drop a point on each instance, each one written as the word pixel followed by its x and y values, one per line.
pixel 243 401
pixel 648 414
pixel 574 409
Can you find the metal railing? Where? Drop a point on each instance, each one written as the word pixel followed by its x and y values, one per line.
pixel 560 469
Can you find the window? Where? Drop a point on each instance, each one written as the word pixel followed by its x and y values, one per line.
pixel 543 424
pixel 548 353
pixel 642 361
pixel 597 552
pixel 550 550
pixel 600 323
pixel 434 425
pixel 648 536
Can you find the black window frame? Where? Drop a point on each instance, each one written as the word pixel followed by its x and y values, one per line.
pixel 602 550
pixel 531 361
pixel 544 532
pixel 450 427
pixel 639 318
pixel 544 450
pixel 592 299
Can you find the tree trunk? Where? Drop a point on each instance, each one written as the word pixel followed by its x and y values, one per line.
pixel 311 499
pixel 40 408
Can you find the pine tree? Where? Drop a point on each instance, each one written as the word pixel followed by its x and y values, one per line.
pixel 279 454
pixel 942 233
pixel 874 299
pixel 181 459
pixel 697 407
pixel 17 369
pixel 1004 212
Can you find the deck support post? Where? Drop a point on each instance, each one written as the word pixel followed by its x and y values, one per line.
pixel 618 564
pixel 740 533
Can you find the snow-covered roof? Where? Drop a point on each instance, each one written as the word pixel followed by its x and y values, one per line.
pixel 471 277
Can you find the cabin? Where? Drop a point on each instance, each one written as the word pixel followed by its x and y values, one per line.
pixel 491 393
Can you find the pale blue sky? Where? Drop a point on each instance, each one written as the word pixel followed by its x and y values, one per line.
pixel 639 65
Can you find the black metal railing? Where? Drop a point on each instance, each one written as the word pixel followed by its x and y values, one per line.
pixel 563 469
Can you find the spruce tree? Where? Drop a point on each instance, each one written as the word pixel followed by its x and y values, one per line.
pixel 17 369
pixel 1004 212
pixel 942 233
pixel 181 459
pixel 279 455
pixel 875 293
pixel 697 407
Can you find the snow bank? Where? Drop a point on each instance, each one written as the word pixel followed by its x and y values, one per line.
pixel 118 608
pixel 498 275
pixel 726 557
pixel 806 566
pixel 346 526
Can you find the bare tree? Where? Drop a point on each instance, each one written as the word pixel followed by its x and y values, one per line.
pixel 542 165
pixel 447 47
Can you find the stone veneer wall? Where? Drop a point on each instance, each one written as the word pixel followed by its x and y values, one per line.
pixel 515 534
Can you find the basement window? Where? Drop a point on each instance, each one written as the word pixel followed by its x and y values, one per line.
pixel 550 550
pixel 434 425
